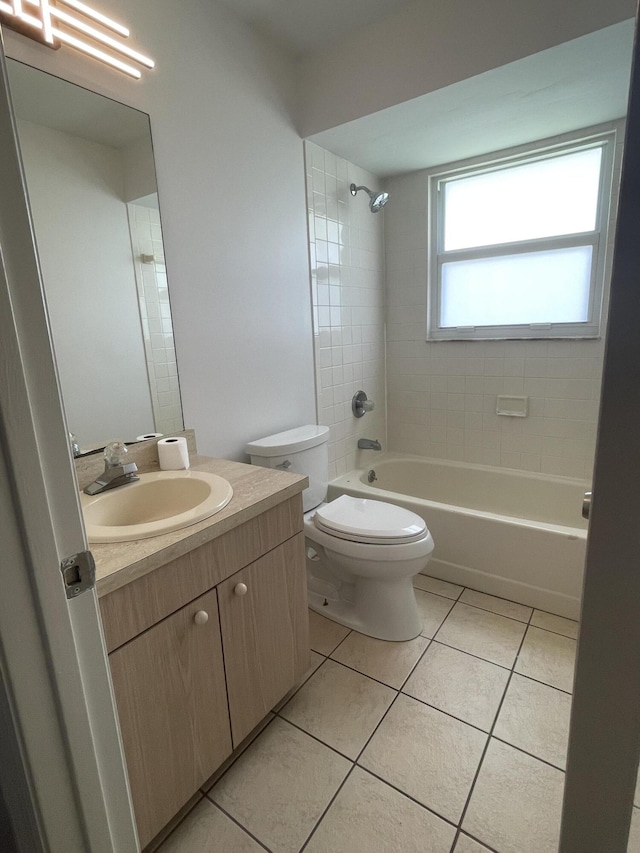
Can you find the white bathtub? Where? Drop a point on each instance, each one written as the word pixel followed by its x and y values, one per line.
pixel 509 533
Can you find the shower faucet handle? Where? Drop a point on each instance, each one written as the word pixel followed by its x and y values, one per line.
pixel 360 405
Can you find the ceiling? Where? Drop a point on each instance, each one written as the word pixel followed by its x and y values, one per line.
pixel 577 84
pixel 308 26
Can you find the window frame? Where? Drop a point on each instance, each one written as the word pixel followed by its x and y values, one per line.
pixel 542 150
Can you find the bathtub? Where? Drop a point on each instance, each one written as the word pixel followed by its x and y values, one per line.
pixel 509 533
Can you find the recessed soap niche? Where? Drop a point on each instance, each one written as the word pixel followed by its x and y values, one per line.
pixel 512 407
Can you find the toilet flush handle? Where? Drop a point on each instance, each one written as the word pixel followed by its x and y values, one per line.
pixel 283 466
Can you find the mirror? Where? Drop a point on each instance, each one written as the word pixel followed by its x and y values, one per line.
pixel 92 190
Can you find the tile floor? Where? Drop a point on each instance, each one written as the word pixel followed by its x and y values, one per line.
pixel 454 742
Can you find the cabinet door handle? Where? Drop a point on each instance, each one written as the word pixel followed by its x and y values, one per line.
pixel 240 589
pixel 201 617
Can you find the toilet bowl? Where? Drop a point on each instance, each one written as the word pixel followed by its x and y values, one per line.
pixel 361 554
pixel 360 567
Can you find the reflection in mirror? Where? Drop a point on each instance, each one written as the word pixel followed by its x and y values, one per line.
pixel 91 183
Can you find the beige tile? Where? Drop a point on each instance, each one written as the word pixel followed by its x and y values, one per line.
pixel 156 843
pixel 368 815
pixel 497 605
pixel 426 754
pixel 208 830
pixel 487 635
pixel 281 785
pixel 237 752
pixel 437 587
pixel 634 833
pixel 324 634
pixel 459 684
pixel 468 845
pixel 547 657
pixel 434 609
pixel 558 624
pixel 316 662
pixel 340 707
pixel 516 803
pixel 390 663
pixel 535 717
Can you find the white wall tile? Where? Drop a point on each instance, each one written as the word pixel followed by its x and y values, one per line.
pixel 347 262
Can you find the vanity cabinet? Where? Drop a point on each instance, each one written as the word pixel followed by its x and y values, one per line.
pixel 201 649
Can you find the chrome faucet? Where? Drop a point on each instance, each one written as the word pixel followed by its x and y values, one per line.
pixel 116 472
pixel 369 444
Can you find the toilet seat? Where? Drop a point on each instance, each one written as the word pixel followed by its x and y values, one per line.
pixel 369 522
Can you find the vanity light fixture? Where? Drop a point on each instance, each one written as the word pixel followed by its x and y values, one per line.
pixel 46 22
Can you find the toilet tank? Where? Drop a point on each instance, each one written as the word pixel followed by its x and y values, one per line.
pixel 303 450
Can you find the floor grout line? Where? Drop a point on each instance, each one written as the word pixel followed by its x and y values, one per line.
pixel 316 738
pixel 530 754
pixel 377 680
pixel 470 654
pixel 408 796
pixel 487 744
pixel 473 838
pixel 331 802
pixel 237 823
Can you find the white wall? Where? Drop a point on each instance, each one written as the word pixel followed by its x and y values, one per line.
pixel 442 394
pixel 429 45
pixel 75 190
pixel 347 274
pixel 231 184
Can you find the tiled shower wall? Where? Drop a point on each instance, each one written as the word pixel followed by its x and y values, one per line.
pixel 442 395
pixel 347 280
pixel 155 316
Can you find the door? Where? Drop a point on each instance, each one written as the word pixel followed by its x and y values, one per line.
pixel 62 777
pixel 604 742
pixel 172 699
pixel 265 633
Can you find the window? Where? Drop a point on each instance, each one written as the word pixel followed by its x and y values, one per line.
pixel 518 245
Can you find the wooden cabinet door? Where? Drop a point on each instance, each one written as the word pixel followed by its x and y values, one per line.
pixel 170 692
pixel 265 633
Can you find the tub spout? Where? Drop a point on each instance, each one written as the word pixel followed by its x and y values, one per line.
pixel 369 444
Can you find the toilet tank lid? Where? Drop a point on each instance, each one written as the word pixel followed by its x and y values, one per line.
pixel 290 441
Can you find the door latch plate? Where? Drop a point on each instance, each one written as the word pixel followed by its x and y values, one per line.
pixel 78 573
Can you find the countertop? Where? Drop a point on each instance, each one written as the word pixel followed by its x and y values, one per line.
pixel 255 490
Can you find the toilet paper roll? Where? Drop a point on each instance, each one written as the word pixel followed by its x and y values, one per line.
pixel 173 453
pixel 149 435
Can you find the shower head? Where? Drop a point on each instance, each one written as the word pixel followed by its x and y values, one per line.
pixel 377 200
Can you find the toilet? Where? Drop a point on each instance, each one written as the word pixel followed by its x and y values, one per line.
pixel 361 554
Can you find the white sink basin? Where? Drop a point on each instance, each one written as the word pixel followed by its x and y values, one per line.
pixel 158 503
